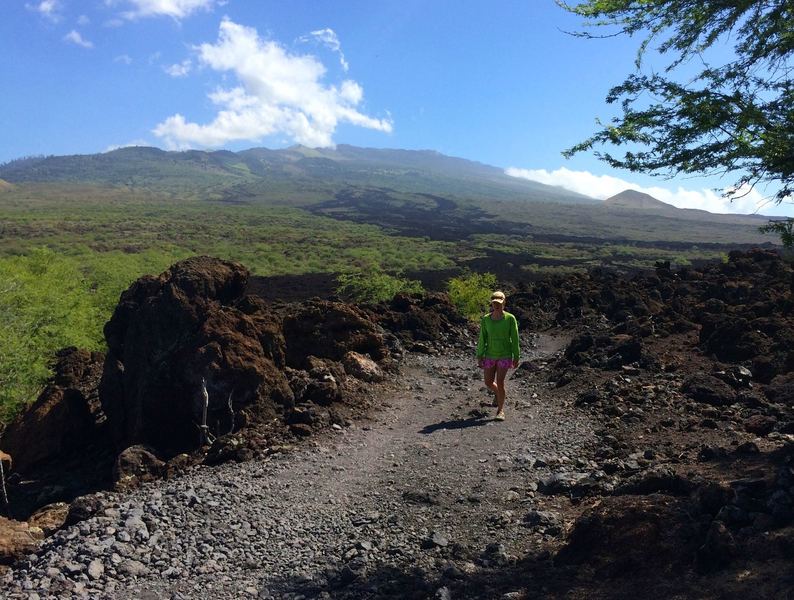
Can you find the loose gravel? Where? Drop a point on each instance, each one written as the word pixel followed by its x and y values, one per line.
pixel 431 487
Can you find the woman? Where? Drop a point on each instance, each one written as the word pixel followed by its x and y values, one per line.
pixel 497 349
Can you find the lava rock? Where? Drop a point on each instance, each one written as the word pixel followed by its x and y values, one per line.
pixel 718 549
pixel 760 425
pixel 16 541
pixel 170 332
pixel 50 518
pixel 708 389
pixel 362 367
pixel 62 420
pixel 137 464
pixel 632 534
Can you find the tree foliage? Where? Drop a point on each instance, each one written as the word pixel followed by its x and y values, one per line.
pixel 471 293
pixel 44 305
pixel 736 117
pixel 371 284
pixel 49 301
pixel 785 229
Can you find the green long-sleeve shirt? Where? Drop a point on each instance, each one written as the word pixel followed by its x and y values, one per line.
pixel 498 339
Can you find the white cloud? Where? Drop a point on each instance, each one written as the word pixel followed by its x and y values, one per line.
pixel 83 20
pixel 49 9
pixel 176 9
pixel 74 37
pixel 179 69
pixel 278 93
pixel 328 38
pixel 124 59
pixel 603 186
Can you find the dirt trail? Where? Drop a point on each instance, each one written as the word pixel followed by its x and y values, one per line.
pixel 420 483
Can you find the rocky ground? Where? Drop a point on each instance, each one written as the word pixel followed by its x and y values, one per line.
pixel 425 494
pixel 648 452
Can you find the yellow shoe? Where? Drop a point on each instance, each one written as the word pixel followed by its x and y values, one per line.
pixel 500 416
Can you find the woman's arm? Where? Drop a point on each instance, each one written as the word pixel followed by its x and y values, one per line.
pixel 482 342
pixel 514 342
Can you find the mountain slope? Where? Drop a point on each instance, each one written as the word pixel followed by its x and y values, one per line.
pixel 409 171
pixel 417 193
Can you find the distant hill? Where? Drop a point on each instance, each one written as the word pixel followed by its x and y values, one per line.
pixel 4 185
pixel 635 200
pixel 645 203
pixel 257 169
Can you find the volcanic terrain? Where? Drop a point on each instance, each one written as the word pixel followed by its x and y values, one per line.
pixel 352 451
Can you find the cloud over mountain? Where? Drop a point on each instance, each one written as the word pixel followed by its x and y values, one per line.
pixel 604 186
pixel 277 93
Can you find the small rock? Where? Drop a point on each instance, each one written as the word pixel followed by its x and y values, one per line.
pixel 747 448
pixel 72 568
pixel 301 429
pixel 96 569
pixel 362 367
pixel 436 539
pixel 133 568
pixel 512 496
pixel 760 425
pixel 50 518
pixel 443 594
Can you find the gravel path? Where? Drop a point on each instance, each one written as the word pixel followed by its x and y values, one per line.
pixel 388 506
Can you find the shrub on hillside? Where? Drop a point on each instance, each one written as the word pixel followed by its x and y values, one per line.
pixel 470 293
pixel 373 285
pixel 44 305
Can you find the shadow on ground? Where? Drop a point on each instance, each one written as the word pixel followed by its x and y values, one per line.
pixel 477 421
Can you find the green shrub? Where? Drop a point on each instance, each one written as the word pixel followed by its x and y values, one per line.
pixel 471 293
pixel 372 284
pixel 45 304
pixel 48 301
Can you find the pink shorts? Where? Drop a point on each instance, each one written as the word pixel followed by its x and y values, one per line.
pixel 499 363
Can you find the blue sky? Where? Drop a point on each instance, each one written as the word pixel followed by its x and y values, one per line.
pixel 497 82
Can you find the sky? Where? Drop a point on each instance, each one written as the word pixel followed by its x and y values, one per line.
pixel 501 82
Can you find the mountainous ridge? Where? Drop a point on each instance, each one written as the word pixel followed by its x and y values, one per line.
pixel 414 170
pixel 639 201
pixel 408 192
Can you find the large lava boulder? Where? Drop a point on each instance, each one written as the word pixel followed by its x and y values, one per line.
pixel 64 418
pixel 626 535
pixel 169 333
pixel 326 329
pixel 421 318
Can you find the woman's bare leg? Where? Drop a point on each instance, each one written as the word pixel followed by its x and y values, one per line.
pixel 501 374
pixel 490 373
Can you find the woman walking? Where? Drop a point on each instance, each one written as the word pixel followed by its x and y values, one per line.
pixel 498 349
